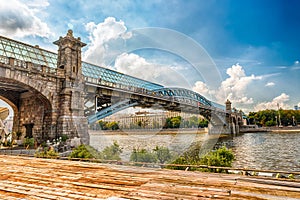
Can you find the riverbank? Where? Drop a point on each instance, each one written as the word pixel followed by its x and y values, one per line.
pixel 285 129
pixel 151 131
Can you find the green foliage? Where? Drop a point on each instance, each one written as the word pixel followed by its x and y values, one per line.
pixel 46 153
pixel 103 125
pixel 108 125
pixel 29 142
pixel 109 153
pixel 202 123
pixel 268 117
pixel 64 138
pixel 113 126
pixel 85 151
pixel 181 160
pixel 112 152
pixel 176 121
pixel 173 122
pixel 222 157
pixel 142 155
pixel 192 122
pixel 162 154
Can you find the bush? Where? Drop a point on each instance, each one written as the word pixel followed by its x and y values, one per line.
pixel 162 154
pixel 85 151
pixel 142 156
pixel 64 137
pixel 46 153
pixel 222 157
pixel 112 152
pixel 29 142
pixel 178 161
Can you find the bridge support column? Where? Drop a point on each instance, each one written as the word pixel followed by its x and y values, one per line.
pixel 71 120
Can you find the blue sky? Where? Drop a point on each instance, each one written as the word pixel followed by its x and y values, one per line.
pixel 252 46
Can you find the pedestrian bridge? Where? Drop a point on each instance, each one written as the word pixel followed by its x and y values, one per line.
pixel 53 94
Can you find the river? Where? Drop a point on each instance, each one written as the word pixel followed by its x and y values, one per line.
pixel 266 150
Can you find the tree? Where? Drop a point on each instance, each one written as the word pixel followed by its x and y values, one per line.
pixel 193 122
pixel 113 125
pixel 103 125
pixel 176 121
pixel 162 154
pixel 202 123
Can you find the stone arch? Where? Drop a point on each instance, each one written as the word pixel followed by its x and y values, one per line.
pixel 32 109
pixel 25 78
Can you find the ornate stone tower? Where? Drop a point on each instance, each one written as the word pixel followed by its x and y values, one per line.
pixel 71 120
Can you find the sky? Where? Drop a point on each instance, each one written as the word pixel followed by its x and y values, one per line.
pixel 245 51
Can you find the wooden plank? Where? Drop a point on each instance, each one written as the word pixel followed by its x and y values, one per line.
pixel 26 177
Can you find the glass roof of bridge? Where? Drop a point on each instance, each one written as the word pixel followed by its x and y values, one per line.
pixel 28 53
pixel 94 71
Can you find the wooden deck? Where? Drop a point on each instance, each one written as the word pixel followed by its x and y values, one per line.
pixel 33 178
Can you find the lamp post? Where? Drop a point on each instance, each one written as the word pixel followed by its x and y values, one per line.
pixel 276 120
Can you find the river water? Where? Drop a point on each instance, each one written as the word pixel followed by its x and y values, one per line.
pixel 267 150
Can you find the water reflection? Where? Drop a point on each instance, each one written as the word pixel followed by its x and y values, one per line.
pixel 272 151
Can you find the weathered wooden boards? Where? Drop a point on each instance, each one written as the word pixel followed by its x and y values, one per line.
pixel 32 178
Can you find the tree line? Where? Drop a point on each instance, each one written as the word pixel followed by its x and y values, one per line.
pixel 274 117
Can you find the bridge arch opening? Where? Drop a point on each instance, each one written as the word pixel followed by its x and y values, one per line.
pixel 32 111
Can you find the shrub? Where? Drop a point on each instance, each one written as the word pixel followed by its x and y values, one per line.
pixel 64 138
pixel 178 161
pixel 112 152
pixel 162 154
pixel 29 142
pixel 46 153
pixel 222 157
pixel 142 156
pixel 84 151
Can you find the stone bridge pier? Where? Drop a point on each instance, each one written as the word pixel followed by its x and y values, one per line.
pixel 47 102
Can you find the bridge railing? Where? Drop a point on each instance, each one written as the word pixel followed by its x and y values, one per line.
pixel 28 66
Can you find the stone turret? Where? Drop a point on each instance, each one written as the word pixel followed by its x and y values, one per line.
pixel 71 120
pixel 69 55
pixel 228 106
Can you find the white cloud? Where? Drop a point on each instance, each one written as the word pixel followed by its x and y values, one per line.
pixel 137 66
pixel 277 101
pixel 201 88
pixel 107 39
pixel 233 88
pixel 19 20
pixel 270 84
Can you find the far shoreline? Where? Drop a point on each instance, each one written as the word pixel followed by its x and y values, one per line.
pixel 285 129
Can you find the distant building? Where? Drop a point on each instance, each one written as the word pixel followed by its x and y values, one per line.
pixel 145 119
pixel 296 107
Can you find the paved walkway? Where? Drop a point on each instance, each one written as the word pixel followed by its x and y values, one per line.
pixel 32 178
